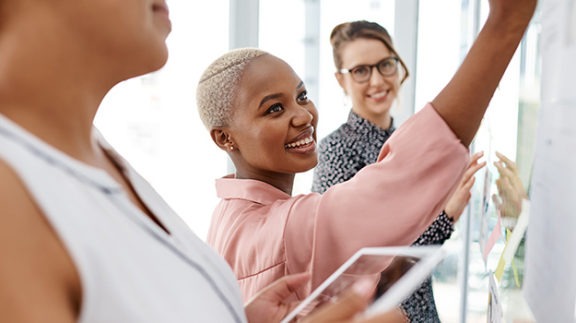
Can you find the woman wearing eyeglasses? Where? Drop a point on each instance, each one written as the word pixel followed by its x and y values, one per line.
pixel 371 72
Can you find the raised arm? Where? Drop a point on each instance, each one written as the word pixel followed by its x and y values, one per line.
pixel 463 102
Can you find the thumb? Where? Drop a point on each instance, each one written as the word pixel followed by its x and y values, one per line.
pixel 288 285
pixel 283 288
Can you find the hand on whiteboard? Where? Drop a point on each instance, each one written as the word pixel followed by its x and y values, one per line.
pixel 461 196
pixel 511 191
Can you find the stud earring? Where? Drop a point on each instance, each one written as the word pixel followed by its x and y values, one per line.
pixel 231 148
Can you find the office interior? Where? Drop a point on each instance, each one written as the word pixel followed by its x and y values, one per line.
pixel 152 120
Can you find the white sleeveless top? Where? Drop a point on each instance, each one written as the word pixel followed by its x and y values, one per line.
pixel 130 269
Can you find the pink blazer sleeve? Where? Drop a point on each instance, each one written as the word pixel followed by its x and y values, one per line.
pixel 388 203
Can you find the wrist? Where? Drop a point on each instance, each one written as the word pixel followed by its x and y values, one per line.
pixel 450 218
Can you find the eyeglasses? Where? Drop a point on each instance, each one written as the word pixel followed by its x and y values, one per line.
pixel 362 73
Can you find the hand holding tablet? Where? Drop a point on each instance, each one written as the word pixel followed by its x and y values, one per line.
pixel 396 272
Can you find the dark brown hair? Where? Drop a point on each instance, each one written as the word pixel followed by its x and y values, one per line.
pixel 347 32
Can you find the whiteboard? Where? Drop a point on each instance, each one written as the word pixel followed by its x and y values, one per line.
pixel 550 273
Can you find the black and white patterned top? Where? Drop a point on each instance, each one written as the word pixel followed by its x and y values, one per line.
pixel 342 154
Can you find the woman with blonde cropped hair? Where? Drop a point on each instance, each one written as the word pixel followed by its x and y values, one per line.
pixel 256 108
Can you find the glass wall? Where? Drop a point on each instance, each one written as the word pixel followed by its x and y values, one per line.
pixel 442 44
pixel 509 127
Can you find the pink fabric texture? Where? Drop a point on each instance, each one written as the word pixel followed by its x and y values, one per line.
pixel 265 234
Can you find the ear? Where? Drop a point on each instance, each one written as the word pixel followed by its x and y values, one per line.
pixel 340 79
pixel 222 139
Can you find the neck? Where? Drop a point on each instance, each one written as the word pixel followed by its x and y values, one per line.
pixel 283 182
pixel 382 120
pixel 54 96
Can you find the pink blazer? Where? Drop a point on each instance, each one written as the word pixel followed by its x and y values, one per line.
pixel 265 234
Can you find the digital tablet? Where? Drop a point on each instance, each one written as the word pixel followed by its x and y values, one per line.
pixel 396 271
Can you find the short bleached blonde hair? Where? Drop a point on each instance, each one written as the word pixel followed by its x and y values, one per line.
pixel 218 86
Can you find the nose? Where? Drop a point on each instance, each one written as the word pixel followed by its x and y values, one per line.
pixel 303 116
pixel 375 77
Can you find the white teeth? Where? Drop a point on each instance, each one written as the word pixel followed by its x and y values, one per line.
pixel 300 142
pixel 379 95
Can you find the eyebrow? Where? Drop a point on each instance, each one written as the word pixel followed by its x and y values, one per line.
pixel 385 58
pixel 277 95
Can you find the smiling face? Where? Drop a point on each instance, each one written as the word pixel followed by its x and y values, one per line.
pixel 273 124
pixel 372 99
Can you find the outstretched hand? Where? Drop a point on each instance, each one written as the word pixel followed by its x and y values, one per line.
pixel 460 198
pixel 511 191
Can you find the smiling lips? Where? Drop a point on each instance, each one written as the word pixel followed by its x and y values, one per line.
pixel 300 143
pixel 379 95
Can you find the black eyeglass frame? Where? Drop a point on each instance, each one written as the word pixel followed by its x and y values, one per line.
pixel 370 67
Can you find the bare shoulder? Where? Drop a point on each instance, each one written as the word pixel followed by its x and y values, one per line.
pixel 39 281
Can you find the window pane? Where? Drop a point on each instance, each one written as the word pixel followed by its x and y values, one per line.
pixel 153 122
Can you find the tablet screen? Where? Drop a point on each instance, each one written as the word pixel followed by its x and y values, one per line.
pixel 385 266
